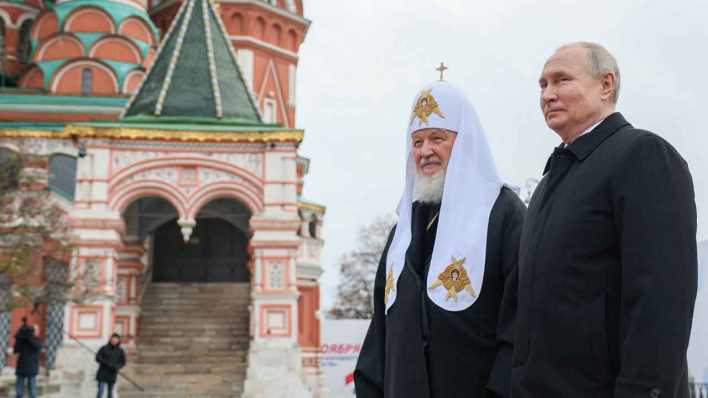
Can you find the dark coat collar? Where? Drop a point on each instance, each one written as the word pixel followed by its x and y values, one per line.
pixel 585 144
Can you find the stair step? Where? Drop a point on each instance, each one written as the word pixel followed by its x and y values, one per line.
pixel 149 361
pixel 193 341
pixel 190 368
pixel 216 318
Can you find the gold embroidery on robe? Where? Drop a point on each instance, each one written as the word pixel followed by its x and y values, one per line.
pixel 425 106
pixel 454 279
pixel 389 284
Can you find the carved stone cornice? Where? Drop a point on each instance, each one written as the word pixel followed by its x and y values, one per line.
pixel 126 133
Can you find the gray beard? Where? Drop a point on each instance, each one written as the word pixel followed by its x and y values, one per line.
pixel 428 189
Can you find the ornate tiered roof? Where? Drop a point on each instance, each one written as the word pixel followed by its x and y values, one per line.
pixel 195 73
pixel 60 44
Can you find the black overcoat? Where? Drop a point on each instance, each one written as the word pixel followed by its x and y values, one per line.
pixel 27 347
pixel 607 271
pixel 419 350
pixel 111 359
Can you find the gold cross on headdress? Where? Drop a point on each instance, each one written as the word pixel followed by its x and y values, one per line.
pixel 442 68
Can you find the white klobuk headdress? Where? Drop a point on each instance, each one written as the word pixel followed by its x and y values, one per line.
pixel 472 185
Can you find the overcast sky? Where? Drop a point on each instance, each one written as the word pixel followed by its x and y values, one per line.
pixel 363 62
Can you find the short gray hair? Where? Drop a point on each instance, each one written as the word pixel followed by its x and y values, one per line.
pixel 600 61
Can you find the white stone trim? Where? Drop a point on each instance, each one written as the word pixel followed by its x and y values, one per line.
pixel 23 18
pixel 43 47
pixel 6 19
pixel 127 78
pixel 263 44
pixel 31 13
pixel 143 24
pixel 161 45
pixel 80 11
pixel 271 69
pixel 213 72
pixel 175 56
pixel 85 63
pixel 118 39
pixel 126 2
pixel 277 10
pixel 234 58
pixel 279 96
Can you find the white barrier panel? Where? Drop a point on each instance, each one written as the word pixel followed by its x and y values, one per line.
pixel 341 343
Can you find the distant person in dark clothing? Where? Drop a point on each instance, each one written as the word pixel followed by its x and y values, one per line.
pixel 27 347
pixel 111 359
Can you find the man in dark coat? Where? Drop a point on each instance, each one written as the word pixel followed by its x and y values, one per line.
pixel 607 261
pixel 444 294
pixel 27 347
pixel 111 359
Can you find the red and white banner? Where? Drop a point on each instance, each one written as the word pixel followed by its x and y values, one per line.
pixel 341 344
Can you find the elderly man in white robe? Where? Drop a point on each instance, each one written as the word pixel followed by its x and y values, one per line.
pixel 445 289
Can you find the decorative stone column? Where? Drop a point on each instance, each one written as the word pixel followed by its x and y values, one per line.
pixel 274 359
pixel 94 268
pixel 128 290
pixel 309 270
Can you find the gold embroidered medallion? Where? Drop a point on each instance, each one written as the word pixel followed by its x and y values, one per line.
pixel 425 106
pixel 389 284
pixel 454 278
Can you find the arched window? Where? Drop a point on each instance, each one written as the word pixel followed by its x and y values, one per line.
pixel 25 47
pixel 277 34
pixel 86 81
pixel 260 28
pixel 62 175
pixel 292 40
pixel 10 166
pixel 237 24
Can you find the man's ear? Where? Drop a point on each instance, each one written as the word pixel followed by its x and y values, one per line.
pixel 609 85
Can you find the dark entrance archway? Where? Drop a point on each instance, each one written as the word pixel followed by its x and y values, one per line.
pixel 216 252
pixel 180 299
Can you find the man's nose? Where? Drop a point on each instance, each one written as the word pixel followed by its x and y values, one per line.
pixel 426 149
pixel 548 94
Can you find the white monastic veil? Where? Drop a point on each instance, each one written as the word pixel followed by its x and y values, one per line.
pixel 472 184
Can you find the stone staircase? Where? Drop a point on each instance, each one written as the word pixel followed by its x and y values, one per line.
pixel 193 342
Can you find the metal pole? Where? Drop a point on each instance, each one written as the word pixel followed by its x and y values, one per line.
pixel 87 348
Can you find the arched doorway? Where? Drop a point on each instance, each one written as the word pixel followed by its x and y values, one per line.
pixel 145 215
pixel 217 250
pixel 197 289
